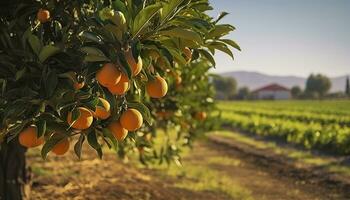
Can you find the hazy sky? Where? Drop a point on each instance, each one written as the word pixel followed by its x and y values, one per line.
pixel 288 37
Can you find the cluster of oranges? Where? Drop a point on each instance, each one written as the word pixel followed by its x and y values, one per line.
pixel 117 82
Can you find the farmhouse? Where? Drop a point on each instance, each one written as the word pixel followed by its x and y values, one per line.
pixel 272 91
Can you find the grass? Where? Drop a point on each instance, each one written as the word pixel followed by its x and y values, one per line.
pixel 196 176
pixel 302 157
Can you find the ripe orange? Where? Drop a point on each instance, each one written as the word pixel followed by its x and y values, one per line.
pixel 29 137
pixel 62 147
pixel 84 121
pixel 118 131
pixel 43 15
pixel 131 119
pixel 108 75
pixel 201 116
pixel 103 112
pixel 135 67
pixel 188 54
pixel 157 88
pixel 122 87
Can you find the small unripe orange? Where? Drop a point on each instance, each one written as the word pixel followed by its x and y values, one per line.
pixel 29 137
pixel 188 54
pixel 136 67
pixel 201 116
pixel 122 87
pixel 157 88
pixel 103 112
pixel 118 131
pixel 43 15
pixel 62 147
pixel 131 119
pixel 108 75
pixel 84 121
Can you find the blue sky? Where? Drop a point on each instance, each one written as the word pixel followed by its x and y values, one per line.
pixel 288 37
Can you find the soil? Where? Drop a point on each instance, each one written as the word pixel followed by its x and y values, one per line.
pixel 110 178
pixel 272 177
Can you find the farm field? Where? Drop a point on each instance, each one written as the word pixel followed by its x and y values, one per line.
pixel 322 125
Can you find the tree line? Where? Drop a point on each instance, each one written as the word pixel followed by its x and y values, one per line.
pixel 317 86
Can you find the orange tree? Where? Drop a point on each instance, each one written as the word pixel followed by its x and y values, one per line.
pixel 109 73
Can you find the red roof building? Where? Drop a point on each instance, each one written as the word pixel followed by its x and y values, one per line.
pixel 272 91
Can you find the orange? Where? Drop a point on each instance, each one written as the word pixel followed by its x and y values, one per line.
pixel 108 75
pixel 118 131
pixel 201 116
pixel 131 119
pixel 43 15
pixel 29 137
pixel 84 121
pixel 122 87
pixel 157 88
pixel 78 86
pixel 103 112
pixel 62 147
pixel 164 114
pixel 188 54
pixel 135 67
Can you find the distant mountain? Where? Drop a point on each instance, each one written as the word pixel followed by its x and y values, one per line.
pixel 254 80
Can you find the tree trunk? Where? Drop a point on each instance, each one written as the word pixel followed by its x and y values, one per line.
pixel 14 177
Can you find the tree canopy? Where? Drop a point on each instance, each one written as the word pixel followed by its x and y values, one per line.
pixel 61 61
pixel 317 85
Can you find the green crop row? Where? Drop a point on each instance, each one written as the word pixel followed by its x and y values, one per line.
pixel 325 107
pixel 308 117
pixel 331 138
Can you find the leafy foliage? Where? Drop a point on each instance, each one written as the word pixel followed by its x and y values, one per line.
pixel 40 64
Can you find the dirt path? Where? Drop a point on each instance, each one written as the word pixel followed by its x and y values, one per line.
pixel 228 173
pixel 265 178
pixel 94 179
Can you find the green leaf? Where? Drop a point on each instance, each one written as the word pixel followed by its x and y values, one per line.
pixel 220 30
pixel 92 140
pixel 231 43
pixel 78 145
pixel 20 73
pixel 169 9
pixel 182 33
pixel 221 15
pixel 119 5
pixel 50 81
pixel 108 134
pixel 48 51
pixel 93 54
pixel 208 56
pixel 50 144
pixel 222 47
pixel 41 126
pixel 178 56
pixel 143 17
pixel 143 109
pixel 35 44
